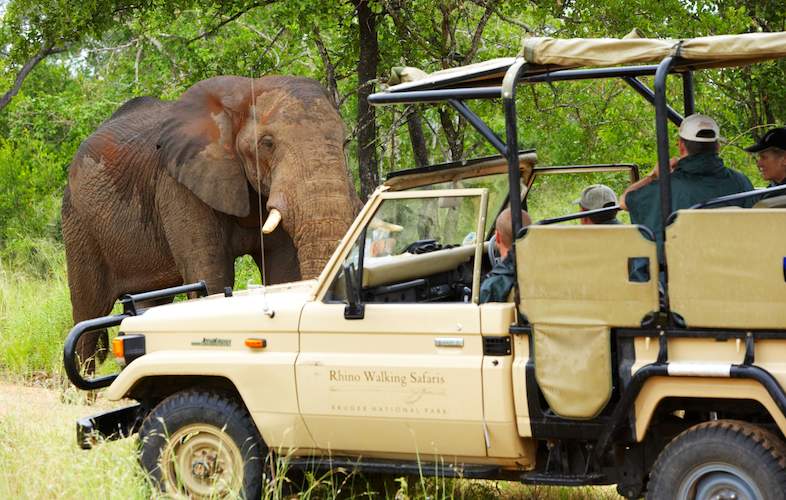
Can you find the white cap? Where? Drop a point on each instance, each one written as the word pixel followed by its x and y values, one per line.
pixel 699 128
pixel 596 196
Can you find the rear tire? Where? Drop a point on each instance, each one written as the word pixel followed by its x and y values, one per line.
pixel 202 445
pixel 720 459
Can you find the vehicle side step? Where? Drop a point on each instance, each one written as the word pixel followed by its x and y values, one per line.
pixel 562 480
pixel 392 467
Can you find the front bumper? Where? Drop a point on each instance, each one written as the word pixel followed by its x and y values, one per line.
pixel 109 425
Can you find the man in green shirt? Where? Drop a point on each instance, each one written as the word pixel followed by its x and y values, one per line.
pixel 697 175
pixel 499 282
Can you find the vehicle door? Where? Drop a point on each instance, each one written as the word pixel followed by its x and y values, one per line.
pixel 577 282
pixel 391 351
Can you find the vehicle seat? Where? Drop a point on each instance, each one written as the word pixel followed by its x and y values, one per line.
pixel 726 267
pixel 772 202
pixel 576 283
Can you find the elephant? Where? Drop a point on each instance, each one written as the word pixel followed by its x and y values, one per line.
pixel 167 192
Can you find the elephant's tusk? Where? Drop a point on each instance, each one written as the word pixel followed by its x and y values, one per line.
pixel 273 218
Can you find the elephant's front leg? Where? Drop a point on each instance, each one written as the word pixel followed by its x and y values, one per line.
pixel 196 235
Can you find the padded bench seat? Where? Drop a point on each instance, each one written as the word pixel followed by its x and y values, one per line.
pixel 726 267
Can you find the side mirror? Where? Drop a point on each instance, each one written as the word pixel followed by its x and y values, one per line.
pixel 354 309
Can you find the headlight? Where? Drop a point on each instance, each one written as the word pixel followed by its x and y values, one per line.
pixel 128 347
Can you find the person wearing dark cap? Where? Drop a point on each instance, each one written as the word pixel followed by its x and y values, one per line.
pixel 770 154
pixel 698 175
pixel 595 197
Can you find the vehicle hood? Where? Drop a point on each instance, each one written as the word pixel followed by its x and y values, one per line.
pixel 271 308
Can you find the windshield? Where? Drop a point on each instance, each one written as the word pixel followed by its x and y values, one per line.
pixel 401 224
pixel 497 185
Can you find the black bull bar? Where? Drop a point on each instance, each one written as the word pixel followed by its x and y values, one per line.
pixel 130 308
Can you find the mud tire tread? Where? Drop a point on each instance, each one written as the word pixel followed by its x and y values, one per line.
pixel 202 406
pixel 768 449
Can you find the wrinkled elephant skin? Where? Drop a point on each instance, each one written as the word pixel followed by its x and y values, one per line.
pixel 167 192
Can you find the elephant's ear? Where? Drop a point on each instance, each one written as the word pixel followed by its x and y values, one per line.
pixel 197 145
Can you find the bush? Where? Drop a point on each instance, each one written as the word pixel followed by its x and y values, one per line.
pixel 31 181
pixel 35 314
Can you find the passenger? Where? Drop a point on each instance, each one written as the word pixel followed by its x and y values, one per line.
pixel 594 197
pixel 698 175
pixel 498 283
pixel 771 158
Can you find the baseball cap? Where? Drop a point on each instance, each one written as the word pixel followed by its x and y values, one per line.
pixel 596 196
pixel 699 128
pixel 775 138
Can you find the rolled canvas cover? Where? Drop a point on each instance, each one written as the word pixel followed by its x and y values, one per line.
pixel 726 267
pixel 573 368
pixel 558 53
pixel 575 284
pixel 720 50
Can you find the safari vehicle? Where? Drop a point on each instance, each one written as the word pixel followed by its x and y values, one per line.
pixel 387 363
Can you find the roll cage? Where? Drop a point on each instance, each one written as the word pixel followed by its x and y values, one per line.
pixel 499 79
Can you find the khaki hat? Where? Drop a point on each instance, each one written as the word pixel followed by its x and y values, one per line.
pixel 699 128
pixel 596 196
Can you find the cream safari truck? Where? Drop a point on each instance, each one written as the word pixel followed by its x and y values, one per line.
pixel 387 363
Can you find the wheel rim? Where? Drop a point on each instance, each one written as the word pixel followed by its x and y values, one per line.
pixel 718 481
pixel 202 461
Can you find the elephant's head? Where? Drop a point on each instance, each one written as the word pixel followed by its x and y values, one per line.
pixel 278 135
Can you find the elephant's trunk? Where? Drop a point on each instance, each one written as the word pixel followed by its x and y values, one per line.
pixel 322 223
pixel 316 214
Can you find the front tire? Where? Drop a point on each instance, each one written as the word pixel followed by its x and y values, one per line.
pixel 719 460
pixel 202 445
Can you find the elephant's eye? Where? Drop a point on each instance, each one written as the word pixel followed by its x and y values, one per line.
pixel 266 141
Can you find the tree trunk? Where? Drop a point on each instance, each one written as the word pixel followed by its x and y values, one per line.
pixel 454 133
pixel 419 149
pixel 368 60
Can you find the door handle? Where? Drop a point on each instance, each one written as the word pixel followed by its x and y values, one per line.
pixel 449 341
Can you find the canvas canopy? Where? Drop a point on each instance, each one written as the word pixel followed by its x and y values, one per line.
pixel 721 50
pixel 544 54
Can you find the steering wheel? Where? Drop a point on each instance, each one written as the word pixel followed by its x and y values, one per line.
pixel 423 246
pixel 493 251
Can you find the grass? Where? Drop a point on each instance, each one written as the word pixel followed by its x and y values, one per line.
pixel 35 314
pixel 40 459
pixel 38 452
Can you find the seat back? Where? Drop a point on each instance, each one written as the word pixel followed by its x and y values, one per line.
pixel 576 283
pixel 726 267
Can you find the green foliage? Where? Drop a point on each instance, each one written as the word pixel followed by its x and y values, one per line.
pixel 113 51
pixel 35 313
pixel 30 176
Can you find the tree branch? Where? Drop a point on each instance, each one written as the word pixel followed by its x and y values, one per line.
pixel 228 20
pixel 31 63
pixel 514 22
pixel 476 37
pixel 137 60
pixel 330 69
pixel 176 72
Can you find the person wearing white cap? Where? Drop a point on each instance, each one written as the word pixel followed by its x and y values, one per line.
pixel 595 197
pixel 698 175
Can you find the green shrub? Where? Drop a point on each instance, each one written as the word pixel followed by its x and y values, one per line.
pixel 35 316
pixel 31 181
